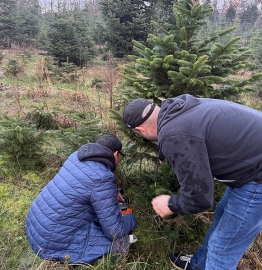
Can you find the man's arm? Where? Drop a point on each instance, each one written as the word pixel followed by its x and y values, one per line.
pixel 105 204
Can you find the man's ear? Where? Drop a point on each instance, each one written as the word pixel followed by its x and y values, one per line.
pixel 116 154
pixel 117 157
pixel 139 129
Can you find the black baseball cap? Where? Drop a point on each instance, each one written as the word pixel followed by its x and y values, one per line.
pixel 132 114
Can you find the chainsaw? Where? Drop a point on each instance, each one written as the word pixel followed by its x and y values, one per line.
pixel 124 205
pixel 126 209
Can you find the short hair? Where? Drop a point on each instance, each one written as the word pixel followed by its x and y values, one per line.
pixel 110 141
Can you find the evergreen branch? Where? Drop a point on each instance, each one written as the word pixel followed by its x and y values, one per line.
pixel 207 11
pixel 227 31
pixel 168 38
pixel 140 51
pixel 207 41
pixel 185 63
pixel 177 7
pixel 220 49
pixel 179 20
pixel 197 11
pixel 200 66
pixel 132 57
pixel 139 45
pixel 183 34
pixel 159 27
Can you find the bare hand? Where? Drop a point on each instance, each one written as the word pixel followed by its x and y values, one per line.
pixel 120 198
pixel 160 205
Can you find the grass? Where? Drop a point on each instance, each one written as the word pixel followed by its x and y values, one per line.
pixel 157 237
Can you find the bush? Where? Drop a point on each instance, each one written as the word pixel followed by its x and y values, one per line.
pixel 12 68
pixel 42 119
pixel 21 143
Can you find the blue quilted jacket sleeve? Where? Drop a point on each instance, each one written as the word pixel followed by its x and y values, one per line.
pixel 104 203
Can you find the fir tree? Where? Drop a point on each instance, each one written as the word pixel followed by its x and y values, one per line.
pixel 27 23
pixel 176 62
pixel 68 38
pixel 125 20
pixel 7 22
pixel 249 16
pixel 21 144
pixel 255 42
pixel 231 13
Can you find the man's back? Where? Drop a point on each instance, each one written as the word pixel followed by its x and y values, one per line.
pixel 228 133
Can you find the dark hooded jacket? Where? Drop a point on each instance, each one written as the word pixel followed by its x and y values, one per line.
pixel 77 213
pixel 203 138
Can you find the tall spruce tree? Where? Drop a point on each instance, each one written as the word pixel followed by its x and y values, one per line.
pixel 177 62
pixel 255 42
pixel 68 38
pixel 231 13
pixel 7 22
pixel 27 22
pixel 125 20
pixel 249 16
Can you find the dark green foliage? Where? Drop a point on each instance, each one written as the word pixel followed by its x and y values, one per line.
pixel 41 38
pixel 42 119
pixel 124 21
pixel 86 130
pixel 64 72
pixel 19 22
pixel 73 138
pixel 255 42
pixel 176 62
pixel 177 230
pixel 249 16
pixel 231 13
pixel 21 144
pixel 68 38
pixel 12 68
pixel 7 22
pixel 27 24
pixel 97 83
pixel 164 11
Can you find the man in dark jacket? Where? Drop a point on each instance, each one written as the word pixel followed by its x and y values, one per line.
pixel 77 213
pixel 205 140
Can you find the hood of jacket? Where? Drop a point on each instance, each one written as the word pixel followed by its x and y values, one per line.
pixel 97 152
pixel 173 107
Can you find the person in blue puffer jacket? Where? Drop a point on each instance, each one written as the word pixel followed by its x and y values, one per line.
pixel 77 213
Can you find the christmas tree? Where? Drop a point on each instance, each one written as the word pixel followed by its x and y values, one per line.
pixel 178 60
pixel 125 20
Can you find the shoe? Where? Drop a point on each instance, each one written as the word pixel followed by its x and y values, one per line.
pixel 132 238
pixel 180 261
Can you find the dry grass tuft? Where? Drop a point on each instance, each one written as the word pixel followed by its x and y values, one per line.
pixel 252 257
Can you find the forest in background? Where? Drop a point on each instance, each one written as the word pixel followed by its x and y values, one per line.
pixel 67 70
pixel 111 24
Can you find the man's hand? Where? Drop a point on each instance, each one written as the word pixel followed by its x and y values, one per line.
pixel 160 205
pixel 120 198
